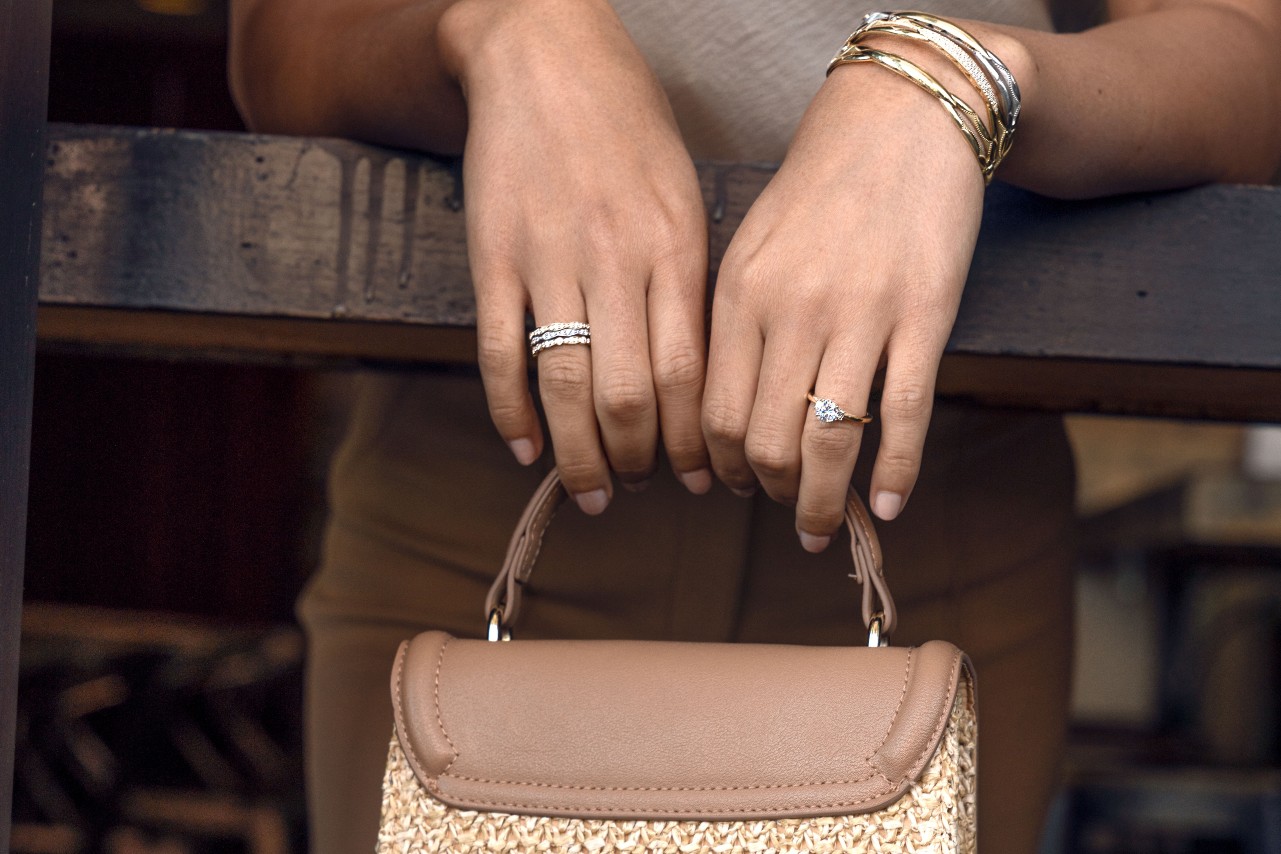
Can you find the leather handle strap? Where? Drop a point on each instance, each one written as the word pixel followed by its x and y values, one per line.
pixel 505 594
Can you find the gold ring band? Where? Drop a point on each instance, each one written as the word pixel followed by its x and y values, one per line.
pixel 826 410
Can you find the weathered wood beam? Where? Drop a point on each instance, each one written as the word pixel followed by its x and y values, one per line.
pixel 227 246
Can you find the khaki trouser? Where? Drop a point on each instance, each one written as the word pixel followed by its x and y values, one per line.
pixel 424 497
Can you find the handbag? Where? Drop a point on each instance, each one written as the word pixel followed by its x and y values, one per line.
pixel 614 745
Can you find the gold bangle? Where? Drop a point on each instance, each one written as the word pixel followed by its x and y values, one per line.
pixel 990 76
pixel 983 143
pixel 997 70
pixel 909 29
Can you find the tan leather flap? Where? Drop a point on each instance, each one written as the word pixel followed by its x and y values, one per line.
pixel 678 731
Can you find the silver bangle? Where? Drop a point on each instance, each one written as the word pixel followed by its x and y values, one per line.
pixel 899 25
pixel 997 71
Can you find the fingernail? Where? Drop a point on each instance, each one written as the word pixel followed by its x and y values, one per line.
pixel 638 486
pixel 697 482
pixel 887 505
pixel 812 542
pixel 524 451
pixel 593 503
pixel 743 493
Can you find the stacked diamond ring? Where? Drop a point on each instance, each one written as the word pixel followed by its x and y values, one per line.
pixel 556 334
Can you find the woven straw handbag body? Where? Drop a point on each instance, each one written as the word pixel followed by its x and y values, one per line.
pixel 596 746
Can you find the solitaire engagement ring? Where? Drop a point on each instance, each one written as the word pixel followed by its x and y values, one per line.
pixel 556 334
pixel 826 410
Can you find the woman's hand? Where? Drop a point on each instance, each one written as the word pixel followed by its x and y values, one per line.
pixel 853 257
pixel 582 205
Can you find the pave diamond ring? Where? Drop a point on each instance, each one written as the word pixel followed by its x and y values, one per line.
pixel 826 410
pixel 556 334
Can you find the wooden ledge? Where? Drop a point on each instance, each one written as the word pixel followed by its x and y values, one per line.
pixel 235 246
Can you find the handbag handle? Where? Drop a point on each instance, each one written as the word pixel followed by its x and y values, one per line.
pixel 502 605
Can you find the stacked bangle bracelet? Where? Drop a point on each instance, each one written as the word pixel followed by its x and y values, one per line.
pixel 985 71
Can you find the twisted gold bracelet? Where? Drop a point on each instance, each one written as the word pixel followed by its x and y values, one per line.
pixel 982 142
pixel 990 77
pixel 909 29
pixel 1011 97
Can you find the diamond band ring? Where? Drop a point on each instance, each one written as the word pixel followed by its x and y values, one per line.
pixel 556 334
pixel 826 410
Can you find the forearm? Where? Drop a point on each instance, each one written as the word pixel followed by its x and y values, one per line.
pixel 1167 98
pixel 370 70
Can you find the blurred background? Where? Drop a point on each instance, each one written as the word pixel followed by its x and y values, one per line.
pixel 175 511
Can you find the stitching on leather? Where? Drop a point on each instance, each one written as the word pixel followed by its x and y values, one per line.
pixel 902 698
pixel 931 744
pixel 907 671
pixel 468 803
pixel 432 784
pixel 570 787
pixel 399 710
pixel 946 712
pixel 539 523
pixel 440 661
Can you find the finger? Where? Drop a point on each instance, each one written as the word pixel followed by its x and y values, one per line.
pixel 623 387
pixel 502 351
pixel 907 401
pixel 830 449
pixel 565 385
pixel 733 366
pixel 678 361
pixel 788 368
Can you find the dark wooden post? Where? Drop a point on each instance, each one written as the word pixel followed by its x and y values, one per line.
pixel 24 91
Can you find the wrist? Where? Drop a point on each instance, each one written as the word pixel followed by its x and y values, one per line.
pixel 960 65
pixel 476 35
pixel 462 31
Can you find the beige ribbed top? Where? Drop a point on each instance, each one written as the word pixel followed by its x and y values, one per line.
pixel 740 73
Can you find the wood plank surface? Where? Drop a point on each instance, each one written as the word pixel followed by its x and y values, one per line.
pixel 24 87
pixel 230 245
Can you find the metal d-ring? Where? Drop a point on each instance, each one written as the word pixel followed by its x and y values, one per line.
pixel 876 637
pixel 497 631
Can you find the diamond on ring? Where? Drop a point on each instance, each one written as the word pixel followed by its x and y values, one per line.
pixel 562 328
pixel 826 410
pixel 558 334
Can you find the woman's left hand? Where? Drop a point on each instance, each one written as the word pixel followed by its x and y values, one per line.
pixel 854 257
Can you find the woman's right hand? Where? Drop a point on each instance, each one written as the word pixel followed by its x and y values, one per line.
pixel 582 205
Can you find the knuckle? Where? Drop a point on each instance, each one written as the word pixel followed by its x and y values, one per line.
pixel 579 474
pixel 686 455
pixel 770 457
pixel 604 233
pixel 668 238
pixel 625 400
pixel 817 519
pixel 743 272
pixel 562 378
pixel 507 413
pixel 723 425
pixel 906 402
pixel 829 444
pixel 498 355
pixel 678 370
pixel 898 461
